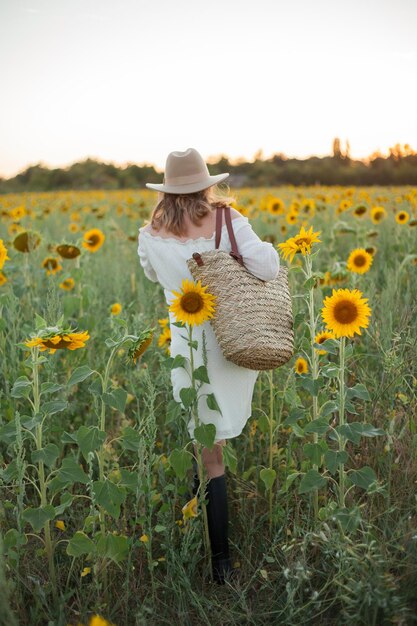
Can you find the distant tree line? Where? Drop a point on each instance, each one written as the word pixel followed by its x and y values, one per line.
pixel 398 168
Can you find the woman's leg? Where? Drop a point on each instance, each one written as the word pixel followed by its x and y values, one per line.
pixel 217 510
pixel 213 461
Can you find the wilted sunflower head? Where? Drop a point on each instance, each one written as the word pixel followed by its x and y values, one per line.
pixel 140 345
pixel 26 241
pixel 55 338
pixel 360 210
pixel 189 510
pixel 68 251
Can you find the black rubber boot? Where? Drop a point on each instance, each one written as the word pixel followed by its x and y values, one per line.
pixel 218 524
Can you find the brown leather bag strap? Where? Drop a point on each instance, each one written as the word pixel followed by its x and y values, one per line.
pixel 235 252
pixel 219 211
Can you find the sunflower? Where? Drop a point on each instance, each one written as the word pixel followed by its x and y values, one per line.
pixel 115 308
pixel 3 254
pixel 343 206
pixel 402 217
pixel 26 241
pixel 17 213
pixel 163 322
pixel 302 242
pixel 276 206
pixel 345 312
pixel 52 265
pixel 308 206
pixel 73 227
pixel 67 284
pixel 93 239
pixel 321 337
pixel 378 213
pixel 360 210
pixel 359 261
pixel 189 510
pixel 14 228
pixel 54 339
pixel 97 620
pixel 301 366
pixel 140 344
pixel 291 217
pixel 371 250
pixel 164 339
pixel 3 279
pixel 192 305
pixel 68 251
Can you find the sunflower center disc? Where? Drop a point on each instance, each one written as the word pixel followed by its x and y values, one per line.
pixel 192 302
pixel 359 260
pixel 345 312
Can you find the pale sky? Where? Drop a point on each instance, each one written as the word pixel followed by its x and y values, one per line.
pixel 132 80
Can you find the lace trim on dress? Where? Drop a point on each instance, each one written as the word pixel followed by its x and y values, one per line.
pixel 146 232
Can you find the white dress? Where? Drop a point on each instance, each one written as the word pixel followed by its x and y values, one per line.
pixel 164 260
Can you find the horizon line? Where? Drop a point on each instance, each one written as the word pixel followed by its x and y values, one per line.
pixel 210 160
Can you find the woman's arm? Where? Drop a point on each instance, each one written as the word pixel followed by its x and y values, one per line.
pixel 260 257
pixel 144 260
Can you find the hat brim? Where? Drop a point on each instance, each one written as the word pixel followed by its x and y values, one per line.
pixel 190 188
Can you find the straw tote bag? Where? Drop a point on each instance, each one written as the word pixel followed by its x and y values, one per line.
pixel 253 318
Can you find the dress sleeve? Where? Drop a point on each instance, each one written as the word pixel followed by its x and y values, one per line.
pixel 260 257
pixel 144 260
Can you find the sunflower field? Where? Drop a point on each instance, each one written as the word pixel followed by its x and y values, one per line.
pixel 97 522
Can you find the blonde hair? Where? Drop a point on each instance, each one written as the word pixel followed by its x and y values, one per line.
pixel 171 208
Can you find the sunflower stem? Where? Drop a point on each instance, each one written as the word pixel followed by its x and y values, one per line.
pixel 100 455
pixel 49 547
pixel 271 431
pixel 200 465
pixel 314 367
pixel 342 439
pixel 77 265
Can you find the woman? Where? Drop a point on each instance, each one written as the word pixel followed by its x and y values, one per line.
pixel 183 222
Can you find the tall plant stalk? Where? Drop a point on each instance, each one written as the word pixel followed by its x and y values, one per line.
pixel 49 547
pixel 200 465
pixel 342 439
pixel 314 362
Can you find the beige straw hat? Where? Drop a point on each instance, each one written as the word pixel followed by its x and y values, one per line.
pixel 186 172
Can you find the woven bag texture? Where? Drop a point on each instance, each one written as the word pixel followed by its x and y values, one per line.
pixel 253 319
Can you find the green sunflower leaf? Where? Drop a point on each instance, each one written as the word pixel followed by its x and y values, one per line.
pixel 201 374
pixel 205 434
pixel 311 481
pixel 212 403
